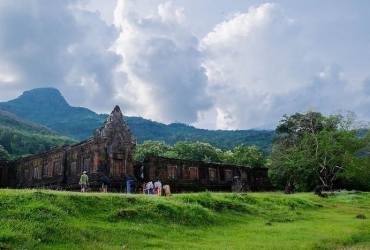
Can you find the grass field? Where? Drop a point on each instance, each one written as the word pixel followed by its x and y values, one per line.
pixel 43 219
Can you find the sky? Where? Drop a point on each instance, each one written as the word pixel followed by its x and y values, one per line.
pixel 212 64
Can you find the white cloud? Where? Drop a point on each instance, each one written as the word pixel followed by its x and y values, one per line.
pixel 212 64
pixel 260 67
pixel 7 73
pixel 250 60
pixel 166 81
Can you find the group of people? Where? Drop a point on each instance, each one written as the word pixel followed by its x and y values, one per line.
pixel 156 188
pixel 84 182
pixel 150 188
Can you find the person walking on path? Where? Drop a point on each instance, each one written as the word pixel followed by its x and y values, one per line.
pixel 84 181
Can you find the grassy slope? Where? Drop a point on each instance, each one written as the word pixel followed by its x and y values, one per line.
pixel 38 219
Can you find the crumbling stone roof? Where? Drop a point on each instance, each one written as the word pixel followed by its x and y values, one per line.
pixel 115 128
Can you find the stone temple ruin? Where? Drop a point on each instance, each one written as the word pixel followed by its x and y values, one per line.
pixel 110 152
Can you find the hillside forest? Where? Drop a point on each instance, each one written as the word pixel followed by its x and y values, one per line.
pixel 306 149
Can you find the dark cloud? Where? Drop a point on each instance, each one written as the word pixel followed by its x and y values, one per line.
pixel 33 35
pixel 52 43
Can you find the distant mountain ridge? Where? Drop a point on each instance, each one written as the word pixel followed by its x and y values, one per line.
pixel 47 107
pixel 19 137
pixel 11 121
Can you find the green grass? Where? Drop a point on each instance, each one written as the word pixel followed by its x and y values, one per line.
pixel 43 219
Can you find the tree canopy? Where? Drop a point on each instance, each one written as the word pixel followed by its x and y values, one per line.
pixel 312 149
pixel 4 155
pixel 240 155
pixel 21 143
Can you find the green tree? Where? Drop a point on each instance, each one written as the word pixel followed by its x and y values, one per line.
pixel 22 143
pixel 197 151
pixel 248 156
pixel 4 155
pixel 152 148
pixel 227 157
pixel 201 151
pixel 312 149
pixel 357 175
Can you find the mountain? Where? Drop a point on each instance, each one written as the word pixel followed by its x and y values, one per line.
pixel 222 139
pixel 46 106
pixel 19 137
pixel 11 121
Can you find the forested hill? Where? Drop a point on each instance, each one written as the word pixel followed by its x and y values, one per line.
pixel 19 137
pixel 11 121
pixel 46 106
pixel 222 139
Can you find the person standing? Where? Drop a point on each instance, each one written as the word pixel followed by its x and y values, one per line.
pixel 106 182
pixel 158 186
pixel 143 187
pixel 167 190
pixel 149 187
pixel 84 181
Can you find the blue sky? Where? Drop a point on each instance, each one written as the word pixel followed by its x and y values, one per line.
pixel 212 64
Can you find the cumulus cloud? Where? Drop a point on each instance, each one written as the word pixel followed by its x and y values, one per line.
pixel 251 60
pixel 259 68
pixel 244 67
pixel 166 81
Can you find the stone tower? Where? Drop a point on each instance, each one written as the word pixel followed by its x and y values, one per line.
pixel 120 144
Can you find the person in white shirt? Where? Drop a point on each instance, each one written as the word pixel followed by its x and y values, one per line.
pixel 149 187
pixel 158 185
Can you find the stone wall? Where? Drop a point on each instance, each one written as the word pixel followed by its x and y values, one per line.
pixel 109 152
pixel 6 174
pixel 195 176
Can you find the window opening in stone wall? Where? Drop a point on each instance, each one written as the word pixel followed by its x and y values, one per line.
pixel 26 174
pixel 56 166
pixel 243 175
pixel 45 168
pixel 228 175
pixel 172 172
pixel 212 174
pixel 86 165
pixel 193 173
pixel 36 173
pixel 73 168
